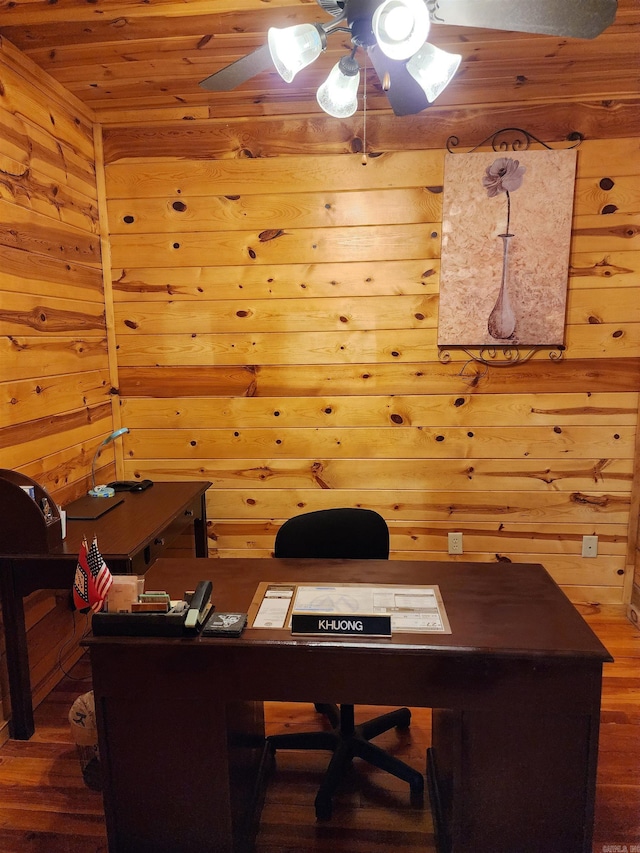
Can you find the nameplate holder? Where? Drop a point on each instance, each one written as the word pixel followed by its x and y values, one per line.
pixel 341 625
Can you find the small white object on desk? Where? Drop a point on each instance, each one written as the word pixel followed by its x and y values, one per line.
pixel 102 492
pixel 63 521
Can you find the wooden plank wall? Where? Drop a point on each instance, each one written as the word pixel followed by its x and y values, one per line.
pixel 275 310
pixel 54 377
pixel 273 327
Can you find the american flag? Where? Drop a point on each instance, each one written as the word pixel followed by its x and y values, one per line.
pixel 92 580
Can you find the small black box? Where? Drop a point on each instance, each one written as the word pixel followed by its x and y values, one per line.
pixel 225 625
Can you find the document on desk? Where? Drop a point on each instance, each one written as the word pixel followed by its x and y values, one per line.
pixel 413 609
pixel 273 605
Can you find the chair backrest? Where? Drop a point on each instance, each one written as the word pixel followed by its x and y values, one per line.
pixel 344 533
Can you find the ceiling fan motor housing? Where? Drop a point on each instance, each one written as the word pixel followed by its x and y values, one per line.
pixel 359 17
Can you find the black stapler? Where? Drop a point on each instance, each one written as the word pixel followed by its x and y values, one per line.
pixel 198 606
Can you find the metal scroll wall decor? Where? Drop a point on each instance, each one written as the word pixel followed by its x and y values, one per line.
pixel 506 231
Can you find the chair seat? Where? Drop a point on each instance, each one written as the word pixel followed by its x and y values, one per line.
pixel 348 741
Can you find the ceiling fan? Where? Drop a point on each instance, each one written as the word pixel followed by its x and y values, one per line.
pixel 394 34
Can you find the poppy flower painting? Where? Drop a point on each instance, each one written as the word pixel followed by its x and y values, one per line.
pixel 506 231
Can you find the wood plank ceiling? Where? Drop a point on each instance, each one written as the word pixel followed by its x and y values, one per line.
pixel 135 58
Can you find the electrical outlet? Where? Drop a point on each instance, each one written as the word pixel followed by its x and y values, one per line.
pixel 455 543
pixel 589 546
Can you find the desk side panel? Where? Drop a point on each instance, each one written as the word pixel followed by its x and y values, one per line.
pixel 209 752
pixel 509 779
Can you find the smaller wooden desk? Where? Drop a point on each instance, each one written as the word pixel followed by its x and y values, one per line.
pixel 130 537
pixel 516 688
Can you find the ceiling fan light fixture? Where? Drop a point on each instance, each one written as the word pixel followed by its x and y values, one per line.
pixel 338 95
pixel 433 69
pixel 293 48
pixel 401 27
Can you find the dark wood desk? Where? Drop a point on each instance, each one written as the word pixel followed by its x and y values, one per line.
pixel 130 537
pixel 516 686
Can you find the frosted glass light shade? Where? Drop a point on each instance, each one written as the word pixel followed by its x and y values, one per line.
pixel 338 95
pixel 293 48
pixel 433 69
pixel 401 27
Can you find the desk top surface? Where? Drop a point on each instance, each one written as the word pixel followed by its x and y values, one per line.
pixel 140 516
pixel 504 609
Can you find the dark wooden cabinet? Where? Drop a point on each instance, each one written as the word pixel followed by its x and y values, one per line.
pixel 131 536
pixel 29 517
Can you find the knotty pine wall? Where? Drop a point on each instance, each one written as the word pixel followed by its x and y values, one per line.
pixel 275 308
pixel 268 321
pixel 54 369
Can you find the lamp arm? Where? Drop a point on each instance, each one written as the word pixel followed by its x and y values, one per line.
pixel 106 441
pixel 93 465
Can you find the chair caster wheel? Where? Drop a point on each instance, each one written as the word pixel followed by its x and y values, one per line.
pixel 416 794
pixel 416 799
pixel 323 810
pixel 404 719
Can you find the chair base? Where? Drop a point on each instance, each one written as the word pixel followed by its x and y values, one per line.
pixel 348 741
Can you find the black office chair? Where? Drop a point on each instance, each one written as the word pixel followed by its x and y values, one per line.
pixel 347 534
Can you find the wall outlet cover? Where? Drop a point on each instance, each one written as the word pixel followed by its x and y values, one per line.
pixel 455 543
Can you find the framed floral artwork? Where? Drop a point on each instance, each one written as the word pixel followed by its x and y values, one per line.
pixel 506 232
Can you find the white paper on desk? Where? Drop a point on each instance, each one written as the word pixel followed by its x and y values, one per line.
pixel 274 607
pixel 410 608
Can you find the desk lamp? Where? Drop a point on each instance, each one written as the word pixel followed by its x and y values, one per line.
pixel 103 491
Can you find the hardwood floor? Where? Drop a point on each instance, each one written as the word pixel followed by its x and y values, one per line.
pixel 45 806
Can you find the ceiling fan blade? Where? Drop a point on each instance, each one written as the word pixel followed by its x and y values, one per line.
pixel 240 71
pixel 405 95
pixel 573 18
